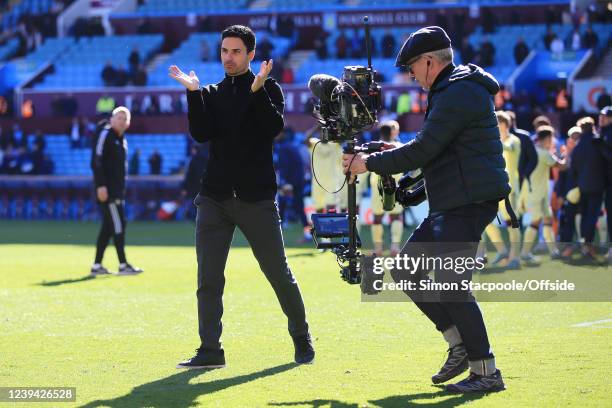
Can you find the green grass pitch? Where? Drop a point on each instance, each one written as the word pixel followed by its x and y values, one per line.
pixel 118 339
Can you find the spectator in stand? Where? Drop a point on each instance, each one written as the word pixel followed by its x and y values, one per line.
pixel 264 48
pixel 133 61
pixel 155 163
pixel 590 38
pixel 320 45
pixel 468 53
pixel 387 44
pixel 548 37
pixel 88 128
pixel 75 133
pixel 122 77
pixel 134 164
pixel 342 45
pixel 556 46
pixel 140 76
pixel 11 160
pixel 109 74
pixel 573 41
pixel 17 138
pixel 521 51
pixel 487 53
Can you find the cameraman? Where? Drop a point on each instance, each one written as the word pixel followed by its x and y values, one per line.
pixel 240 117
pixel 460 153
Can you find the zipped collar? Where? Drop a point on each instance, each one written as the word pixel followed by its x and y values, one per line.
pixel 242 79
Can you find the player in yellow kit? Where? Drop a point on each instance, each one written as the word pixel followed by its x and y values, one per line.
pixel 389 132
pixel 512 151
pixel 327 162
pixel 536 201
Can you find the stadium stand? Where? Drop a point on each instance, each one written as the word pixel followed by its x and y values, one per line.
pixel 81 64
pixel 506 37
pixel 169 7
pixel 76 161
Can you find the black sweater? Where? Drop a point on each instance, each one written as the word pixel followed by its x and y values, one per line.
pixel 109 162
pixel 241 127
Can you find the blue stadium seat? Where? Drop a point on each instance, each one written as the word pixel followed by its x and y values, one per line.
pixel 75 161
pixel 81 63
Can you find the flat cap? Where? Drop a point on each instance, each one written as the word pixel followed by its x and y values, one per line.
pixel 426 39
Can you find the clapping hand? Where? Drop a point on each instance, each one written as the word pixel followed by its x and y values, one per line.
pixel 190 81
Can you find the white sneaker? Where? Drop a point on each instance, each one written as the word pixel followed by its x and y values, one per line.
pixel 99 271
pixel 128 269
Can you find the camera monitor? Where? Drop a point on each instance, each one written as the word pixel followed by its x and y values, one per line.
pixel 331 230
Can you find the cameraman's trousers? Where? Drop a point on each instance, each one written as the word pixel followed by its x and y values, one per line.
pixel 453 233
pixel 260 223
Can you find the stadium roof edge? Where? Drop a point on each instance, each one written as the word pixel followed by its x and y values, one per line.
pixel 342 9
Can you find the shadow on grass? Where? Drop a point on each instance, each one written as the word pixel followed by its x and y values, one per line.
pixel 176 391
pixel 399 401
pixel 302 255
pixel 66 281
pixel 140 233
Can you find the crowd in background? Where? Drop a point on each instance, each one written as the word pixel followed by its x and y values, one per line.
pixel 20 154
pixel 131 73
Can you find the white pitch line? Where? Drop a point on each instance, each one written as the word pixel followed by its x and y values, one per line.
pixel 587 324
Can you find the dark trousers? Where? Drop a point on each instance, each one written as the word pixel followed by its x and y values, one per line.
pixel 113 225
pixel 260 223
pixel 590 208
pixel 567 222
pixel 452 233
pixel 609 211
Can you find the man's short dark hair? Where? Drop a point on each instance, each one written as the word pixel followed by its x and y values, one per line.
pixel 243 32
pixel 385 131
pixel 544 131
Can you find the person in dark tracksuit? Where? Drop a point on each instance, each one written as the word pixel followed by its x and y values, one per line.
pixel 109 164
pixel 588 165
pixel 566 191
pixel 460 154
pixel 240 117
pixel 605 146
